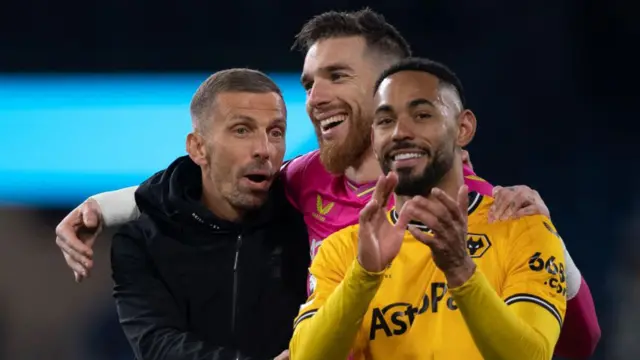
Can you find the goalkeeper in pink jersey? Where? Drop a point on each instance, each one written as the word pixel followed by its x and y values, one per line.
pixel 344 54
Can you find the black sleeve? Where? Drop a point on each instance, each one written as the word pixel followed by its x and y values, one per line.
pixel 148 314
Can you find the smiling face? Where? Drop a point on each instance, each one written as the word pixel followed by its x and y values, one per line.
pixel 416 130
pixel 339 80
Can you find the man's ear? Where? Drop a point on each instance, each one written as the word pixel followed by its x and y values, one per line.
pixel 196 148
pixel 467 127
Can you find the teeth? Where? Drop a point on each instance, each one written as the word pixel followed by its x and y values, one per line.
pixel 406 156
pixel 332 120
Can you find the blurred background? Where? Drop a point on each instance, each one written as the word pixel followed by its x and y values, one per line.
pixel 94 97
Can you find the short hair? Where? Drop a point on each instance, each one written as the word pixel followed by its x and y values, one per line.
pixel 377 32
pixel 447 77
pixel 230 80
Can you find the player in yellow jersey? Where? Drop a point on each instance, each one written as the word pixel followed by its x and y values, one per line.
pixel 435 279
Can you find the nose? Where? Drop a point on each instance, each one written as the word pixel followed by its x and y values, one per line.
pixel 261 147
pixel 319 95
pixel 402 131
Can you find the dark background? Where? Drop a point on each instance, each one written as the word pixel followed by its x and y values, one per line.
pixel 553 83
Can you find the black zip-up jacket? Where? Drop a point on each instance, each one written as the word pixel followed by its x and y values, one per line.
pixel 191 286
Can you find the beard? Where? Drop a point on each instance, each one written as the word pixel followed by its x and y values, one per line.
pixel 421 184
pixel 338 156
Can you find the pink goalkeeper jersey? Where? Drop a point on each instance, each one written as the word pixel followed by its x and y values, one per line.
pixel 330 203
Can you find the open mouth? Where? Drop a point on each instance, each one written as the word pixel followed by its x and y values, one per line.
pixel 406 154
pixel 257 178
pixel 330 123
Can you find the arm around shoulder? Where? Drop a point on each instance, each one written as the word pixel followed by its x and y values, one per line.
pixel 149 316
pixel 118 206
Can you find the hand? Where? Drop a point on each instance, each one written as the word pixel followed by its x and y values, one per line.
pixel 514 202
pixel 379 240
pixel 75 236
pixel 283 356
pixel 447 218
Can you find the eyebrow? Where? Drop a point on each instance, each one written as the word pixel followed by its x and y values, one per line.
pixel 417 102
pixel 383 108
pixel 243 118
pixel 412 105
pixel 278 121
pixel 329 69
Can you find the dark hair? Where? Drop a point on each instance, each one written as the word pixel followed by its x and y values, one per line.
pixel 230 80
pixel 441 71
pixel 378 34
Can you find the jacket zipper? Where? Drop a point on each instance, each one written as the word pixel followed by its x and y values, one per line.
pixel 235 286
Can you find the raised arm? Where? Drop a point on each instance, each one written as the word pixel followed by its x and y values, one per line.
pixel 527 319
pixel 525 322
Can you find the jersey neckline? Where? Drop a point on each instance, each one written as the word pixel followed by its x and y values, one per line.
pixel 474 202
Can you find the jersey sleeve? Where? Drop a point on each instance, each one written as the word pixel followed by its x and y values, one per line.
pixel 327 271
pixel 292 173
pixel 118 206
pixel 328 323
pixel 536 271
pixel 526 313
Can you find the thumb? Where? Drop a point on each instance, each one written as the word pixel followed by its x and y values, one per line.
pixel 90 216
pixel 423 237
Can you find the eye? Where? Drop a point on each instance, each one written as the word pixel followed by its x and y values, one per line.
pixel 423 116
pixel 278 133
pixel 336 76
pixel 307 85
pixel 384 121
pixel 241 130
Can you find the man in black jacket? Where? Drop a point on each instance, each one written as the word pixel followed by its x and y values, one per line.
pixel 215 267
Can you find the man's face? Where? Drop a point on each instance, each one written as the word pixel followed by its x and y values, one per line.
pixel 245 146
pixel 415 130
pixel 339 81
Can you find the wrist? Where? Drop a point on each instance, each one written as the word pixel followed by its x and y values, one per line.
pixel 459 275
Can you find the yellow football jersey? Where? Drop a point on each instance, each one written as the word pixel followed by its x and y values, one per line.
pixel 413 316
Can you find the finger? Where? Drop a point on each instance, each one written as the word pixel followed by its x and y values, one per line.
pixel 448 203
pixel 502 201
pixel 423 237
pixel 379 190
pixel 428 213
pixel 403 217
pixel 525 211
pixel 519 201
pixel 67 234
pixel 89 217
pixel 75 266
pixel 369 210
pixel 76 256
pixel 391 180
pixel 463 200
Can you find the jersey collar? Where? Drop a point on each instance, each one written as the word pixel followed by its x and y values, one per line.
pixel 474 201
